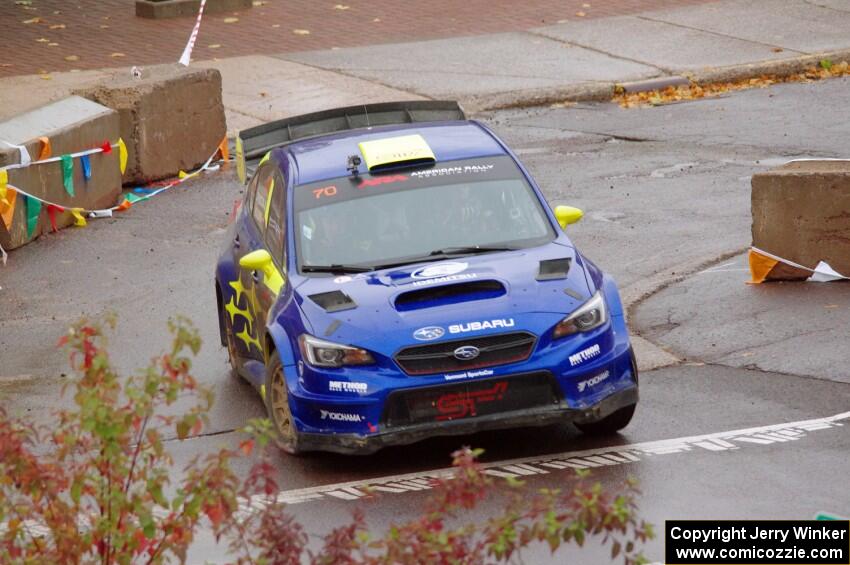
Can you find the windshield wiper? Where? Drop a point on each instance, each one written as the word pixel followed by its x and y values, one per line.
pixel 446 252
pixel 335 269
pixel 470 250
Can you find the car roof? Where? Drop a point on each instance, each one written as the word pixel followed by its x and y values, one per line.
pixel 325 157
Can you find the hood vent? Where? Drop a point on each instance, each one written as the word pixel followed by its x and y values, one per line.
pixel 448 294
pixel 552 269
pixel 333 301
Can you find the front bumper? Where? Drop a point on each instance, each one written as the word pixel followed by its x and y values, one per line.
pixel 350 443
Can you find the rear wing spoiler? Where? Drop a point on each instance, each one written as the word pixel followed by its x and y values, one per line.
pixel 253 143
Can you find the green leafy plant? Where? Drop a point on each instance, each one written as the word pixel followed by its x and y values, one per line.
pixel 99 486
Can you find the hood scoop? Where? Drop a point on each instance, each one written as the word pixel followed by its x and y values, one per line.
pixel 448 294
pixel 333 301
pixel 553 269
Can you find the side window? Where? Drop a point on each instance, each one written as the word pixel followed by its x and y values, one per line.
pixel 265 182
pixel 276 228
pixel 251 193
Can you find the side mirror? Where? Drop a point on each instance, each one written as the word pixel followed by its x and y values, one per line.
pixel 259 260
pixel 567 215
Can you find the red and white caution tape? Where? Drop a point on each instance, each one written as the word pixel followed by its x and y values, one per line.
pixel 186 57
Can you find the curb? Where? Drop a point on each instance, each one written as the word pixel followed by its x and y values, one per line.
pixel 605 91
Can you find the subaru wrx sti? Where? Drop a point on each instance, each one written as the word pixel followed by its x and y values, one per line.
pixel 395 273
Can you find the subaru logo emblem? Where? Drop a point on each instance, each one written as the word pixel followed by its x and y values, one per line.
pixel 466 353
pixel 429 333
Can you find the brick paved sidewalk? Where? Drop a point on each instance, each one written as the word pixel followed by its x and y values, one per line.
pixel 64 35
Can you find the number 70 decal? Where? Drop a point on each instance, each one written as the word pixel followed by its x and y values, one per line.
pixel 324 191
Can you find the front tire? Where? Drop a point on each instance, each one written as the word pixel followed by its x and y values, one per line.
pixel 277 405
pixel 230 344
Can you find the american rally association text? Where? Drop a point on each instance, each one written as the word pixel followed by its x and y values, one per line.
pixel 756 533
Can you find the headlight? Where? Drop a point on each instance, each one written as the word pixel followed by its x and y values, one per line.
pixel 589 316
pixel 320 353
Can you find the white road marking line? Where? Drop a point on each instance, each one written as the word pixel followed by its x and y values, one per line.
pixel 596 457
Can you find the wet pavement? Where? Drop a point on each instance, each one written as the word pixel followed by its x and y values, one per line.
pixel 666 193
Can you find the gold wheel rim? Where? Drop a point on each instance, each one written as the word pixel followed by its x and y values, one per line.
pixel 280 407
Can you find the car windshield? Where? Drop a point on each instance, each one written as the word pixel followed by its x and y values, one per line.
pixel 450 209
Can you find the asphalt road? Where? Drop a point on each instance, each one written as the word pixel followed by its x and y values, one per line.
pixel 666 193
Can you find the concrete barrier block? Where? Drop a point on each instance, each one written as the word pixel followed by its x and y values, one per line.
pixel 172 118
pixel 160 9
pixel 801 212
pixel 72 124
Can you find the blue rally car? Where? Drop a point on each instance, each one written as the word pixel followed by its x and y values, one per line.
pixel 394 273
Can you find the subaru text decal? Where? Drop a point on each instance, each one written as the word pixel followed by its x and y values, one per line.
pixel 448 278
pixel 441 270
pixel 584 355
pixel 482 325
pixel 429 333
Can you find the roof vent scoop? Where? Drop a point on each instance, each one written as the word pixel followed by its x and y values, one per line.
pixel 334 301
pixel 552 269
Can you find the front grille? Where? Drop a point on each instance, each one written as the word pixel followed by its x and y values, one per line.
pixel 440 358
pixel 470 399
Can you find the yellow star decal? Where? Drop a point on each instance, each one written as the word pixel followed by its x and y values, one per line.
pixel 237 286
pixel 249 340
pixel 234 311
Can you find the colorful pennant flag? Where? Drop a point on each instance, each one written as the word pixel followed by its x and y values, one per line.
pixel 122 155
pixel 46 149
pixel 223 149
pixel 33 211
pixel 86 163
pixel 4 180
pixel 765 266
pixel 7 207
pixel 79 220
pixel 68 174
pixel 51 213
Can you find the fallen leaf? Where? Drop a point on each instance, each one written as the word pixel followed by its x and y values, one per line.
pixel 259 3
pixel 57 26
pixel 275 25
pixel 56 12
pixel 43 40
pixel 263 94
pixel 301 31
pixel 376 20
pixel 23 2
pixel 52 44
pixel 230 20
pixel 33 21
pixel 585 5
pixel 562 21
pixel 45 77
pixel 104 26
pixel 580 14
pixel 341 7
pixel 5 64
pixel 72 58
pixel 214 46
pixel 830 306
pixel 778 50
pixel 117 55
